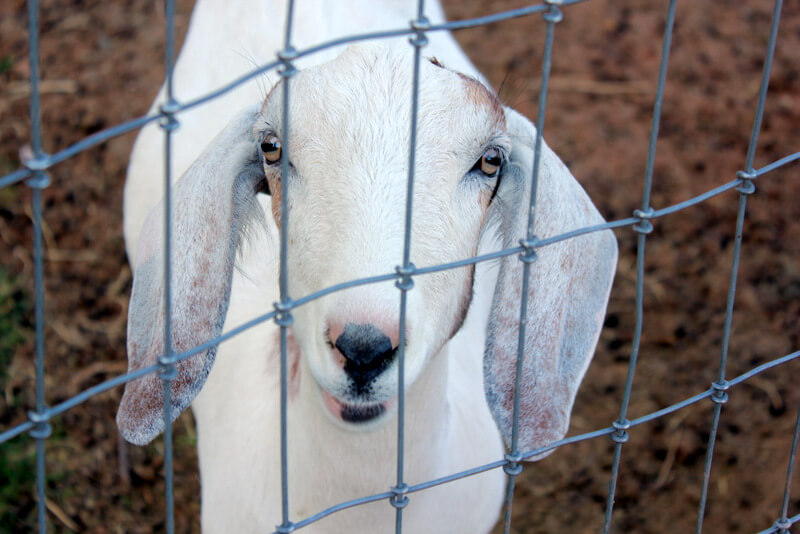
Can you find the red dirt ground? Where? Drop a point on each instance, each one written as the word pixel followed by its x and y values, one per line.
pixel 102 65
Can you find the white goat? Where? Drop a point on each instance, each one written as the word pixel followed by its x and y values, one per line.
pixel 349 140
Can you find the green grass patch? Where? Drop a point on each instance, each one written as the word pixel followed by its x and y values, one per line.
pixel 17 457
pixel 15 311
pixel 18 475
pixel 6 64
pixel 18 481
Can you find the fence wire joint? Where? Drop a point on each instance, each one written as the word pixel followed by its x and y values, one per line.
pixel 286 57
pixel 399 499
pixel 284 316
pixel 40 179
pixel 553 15
pixel 783 524
pixel 405 272
pixel 168 110
pixel 167 371
pixel 720 395
pixel 746 185
pixel 36 163
pixel 420 26
pixel 621 434
pixel 43 428
pixel 285 528
pixel 513 467
pixel 528 254
pixel 645 225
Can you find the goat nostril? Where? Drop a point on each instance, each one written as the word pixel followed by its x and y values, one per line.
pixel 364 344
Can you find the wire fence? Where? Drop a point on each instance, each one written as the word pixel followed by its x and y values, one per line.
pixel 400 495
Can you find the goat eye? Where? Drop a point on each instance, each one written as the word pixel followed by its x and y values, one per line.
pixel 271 148
pixel 490 162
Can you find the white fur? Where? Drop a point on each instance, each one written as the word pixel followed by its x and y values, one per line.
pixel 349 148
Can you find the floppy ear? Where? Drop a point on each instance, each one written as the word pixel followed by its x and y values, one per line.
pixel 212 202
pixel 567 296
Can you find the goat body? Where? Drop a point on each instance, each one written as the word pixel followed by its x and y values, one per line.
pixel 349 136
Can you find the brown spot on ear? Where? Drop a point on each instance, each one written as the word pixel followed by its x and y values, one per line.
pixel 481 96
pixel 435 61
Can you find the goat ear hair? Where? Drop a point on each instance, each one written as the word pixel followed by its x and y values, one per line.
pixel 212 202
pixel 568 291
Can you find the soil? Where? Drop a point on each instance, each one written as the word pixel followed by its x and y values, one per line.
pixel 604 73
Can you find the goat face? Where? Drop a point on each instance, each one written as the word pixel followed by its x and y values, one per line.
pixel 348 149
pixel 347 187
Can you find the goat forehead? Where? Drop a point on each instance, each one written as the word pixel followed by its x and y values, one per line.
pixel 361 102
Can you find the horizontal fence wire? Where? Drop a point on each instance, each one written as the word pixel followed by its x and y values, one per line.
pixel 34 175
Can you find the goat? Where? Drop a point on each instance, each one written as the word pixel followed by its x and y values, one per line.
pixel 349 137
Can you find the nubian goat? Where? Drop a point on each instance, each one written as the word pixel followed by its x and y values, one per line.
pixel 349 139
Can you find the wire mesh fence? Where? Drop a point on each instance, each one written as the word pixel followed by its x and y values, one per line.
pixel 400 494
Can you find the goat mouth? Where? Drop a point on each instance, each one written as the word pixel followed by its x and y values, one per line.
pixel 354 413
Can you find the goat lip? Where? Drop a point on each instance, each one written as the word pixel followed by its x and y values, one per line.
pixel 355 413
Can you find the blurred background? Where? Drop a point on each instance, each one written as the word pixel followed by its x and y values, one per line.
pixel 102 64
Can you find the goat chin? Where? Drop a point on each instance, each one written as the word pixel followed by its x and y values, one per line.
pixel 348 146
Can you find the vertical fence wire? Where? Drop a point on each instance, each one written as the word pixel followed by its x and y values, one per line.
pixel 167 369
pixel 33 60
pixel 39 181
pixel 42 429
pixel 745 189
pixel 284 317
pixel 513 468
pixel 399 498
pixel 642 228
pixel 762 90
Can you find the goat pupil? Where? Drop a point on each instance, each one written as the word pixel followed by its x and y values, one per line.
pixel 272 150
pixel 490 162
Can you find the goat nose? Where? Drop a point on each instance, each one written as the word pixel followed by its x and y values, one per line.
pixel 364 344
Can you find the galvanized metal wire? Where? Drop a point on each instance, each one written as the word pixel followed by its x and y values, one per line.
pixel 284 317
pixel 399 498
pixel 34 174
pixel 746 188
pixel 528 257
pixel 167 370
pixel 642 227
